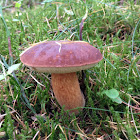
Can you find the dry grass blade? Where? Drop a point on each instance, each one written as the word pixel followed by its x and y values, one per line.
pixel 51 132
pixel 134 121
pixel 3 115
pixel 2 134
pixel 63 131
pixel 36 80
pixel 35 135
pixel 82 134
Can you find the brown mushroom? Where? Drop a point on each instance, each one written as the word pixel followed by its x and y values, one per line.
pixel 63 59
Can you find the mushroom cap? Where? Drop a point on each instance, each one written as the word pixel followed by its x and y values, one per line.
pixel 61 56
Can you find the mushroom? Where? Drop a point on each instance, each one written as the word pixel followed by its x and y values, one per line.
pixel 63 59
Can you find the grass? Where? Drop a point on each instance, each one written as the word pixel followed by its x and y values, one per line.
pixel 29 109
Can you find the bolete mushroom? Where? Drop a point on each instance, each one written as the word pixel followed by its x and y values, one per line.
pixel 63 59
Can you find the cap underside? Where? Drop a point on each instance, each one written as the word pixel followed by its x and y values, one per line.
pixel 61 69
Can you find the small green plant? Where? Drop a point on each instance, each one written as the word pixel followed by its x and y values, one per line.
pixel 113 94
pixel 10 70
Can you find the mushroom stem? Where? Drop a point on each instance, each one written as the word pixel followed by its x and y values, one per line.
pixel 67 91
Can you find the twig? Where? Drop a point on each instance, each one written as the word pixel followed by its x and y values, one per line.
pixel 9 47
pixel 81 29
pixel 82 24
pixel 131 106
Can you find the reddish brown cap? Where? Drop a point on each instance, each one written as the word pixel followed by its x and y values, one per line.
pixel 61 56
